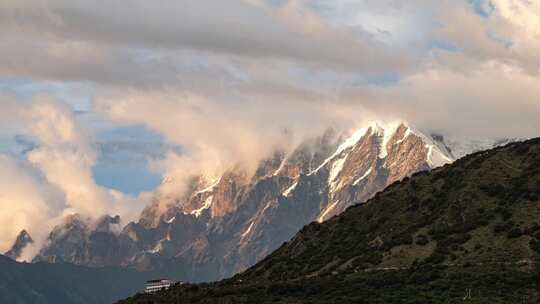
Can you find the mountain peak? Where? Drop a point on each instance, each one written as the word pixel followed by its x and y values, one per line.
pixel 108 223
pixel 22 240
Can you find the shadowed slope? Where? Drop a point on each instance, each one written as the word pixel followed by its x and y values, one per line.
pixel 64 283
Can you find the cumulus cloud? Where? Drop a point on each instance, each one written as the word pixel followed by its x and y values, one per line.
pixel 494 100
pixel 55 179
pixel 504 31
pixel 26 203
pixel 219 135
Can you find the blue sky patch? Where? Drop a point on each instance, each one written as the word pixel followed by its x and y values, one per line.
pixel 124 156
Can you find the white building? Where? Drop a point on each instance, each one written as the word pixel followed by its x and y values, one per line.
pixel 158 285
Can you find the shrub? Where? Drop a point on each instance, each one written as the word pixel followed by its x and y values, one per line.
pixel 435 258
pixel 402 239
pixel 503 227
pixel 422 240
pixel 492 190
pixel 514 233
pixel 504 212
pixel 535 246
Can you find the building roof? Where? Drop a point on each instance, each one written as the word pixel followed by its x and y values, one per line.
pixel 159 281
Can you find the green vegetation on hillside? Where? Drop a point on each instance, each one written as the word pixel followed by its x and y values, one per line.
pixel 468 231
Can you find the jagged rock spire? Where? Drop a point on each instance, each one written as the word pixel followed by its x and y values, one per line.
pixel 22 240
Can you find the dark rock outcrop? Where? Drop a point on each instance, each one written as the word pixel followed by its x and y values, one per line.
pixel 23 240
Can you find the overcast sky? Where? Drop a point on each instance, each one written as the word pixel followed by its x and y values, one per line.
pixel 93 93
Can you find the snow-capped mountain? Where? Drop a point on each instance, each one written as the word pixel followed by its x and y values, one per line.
pixel 224 225
pixel 462 147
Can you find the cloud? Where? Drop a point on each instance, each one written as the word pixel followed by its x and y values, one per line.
pixel 107 42
pixel 493 100
pixel 26 203
pixel 55 179
pixel 216 135
pixel 507 34
pixel 66 156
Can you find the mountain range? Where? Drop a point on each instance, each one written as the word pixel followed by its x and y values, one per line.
pixel 222 226
pixel 465 232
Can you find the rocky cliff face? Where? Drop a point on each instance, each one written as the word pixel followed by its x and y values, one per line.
pixel 23 240
pixel 225 225
pixel 93 244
